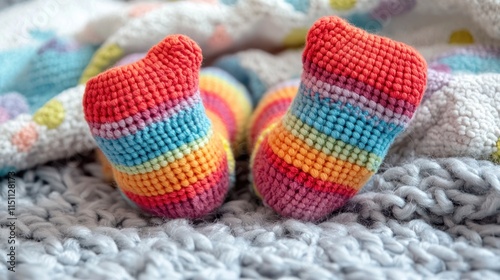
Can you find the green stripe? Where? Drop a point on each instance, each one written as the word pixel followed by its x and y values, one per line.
pixel 331 146
pixel 166 158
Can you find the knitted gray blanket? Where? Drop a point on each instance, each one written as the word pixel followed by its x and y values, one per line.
pixel 434 219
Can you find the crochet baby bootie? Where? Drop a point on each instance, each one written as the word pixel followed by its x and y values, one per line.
pixel 357 92
pixel 149 120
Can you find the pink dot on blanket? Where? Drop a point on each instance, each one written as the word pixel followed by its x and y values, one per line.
pixel 4 115
pixel 25 138
pixel 220 39
pixel 142 9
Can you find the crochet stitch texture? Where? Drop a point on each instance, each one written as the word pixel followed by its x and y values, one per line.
pixel 170 135
pixel 357 93
pixel 148 118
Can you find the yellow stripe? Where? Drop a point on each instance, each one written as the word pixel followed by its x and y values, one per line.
pixel 181 173
pixel 259 141
pixel 314 162
pixel 168 157
pixel 329 145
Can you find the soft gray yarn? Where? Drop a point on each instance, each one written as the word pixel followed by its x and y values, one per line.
pixel 430 219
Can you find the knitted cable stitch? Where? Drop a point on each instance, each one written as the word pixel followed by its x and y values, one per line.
pixel 357 92
pixel 148 118
pixel 422 220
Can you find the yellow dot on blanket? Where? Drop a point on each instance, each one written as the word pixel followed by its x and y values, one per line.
pixel 342 5
pixel 25 138
pixel 461 36
pixel 296 38
pixel 103 58
pixel 496 155
pixel 50 115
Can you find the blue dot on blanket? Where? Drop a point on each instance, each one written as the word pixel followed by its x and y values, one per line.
pixel 299 5
pixel 247 77
pixel 229 2
pixel 366 22
pixel 5 170
pixel 12 104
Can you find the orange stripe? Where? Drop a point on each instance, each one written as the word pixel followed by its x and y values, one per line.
pixel 314 162
pixel 178 174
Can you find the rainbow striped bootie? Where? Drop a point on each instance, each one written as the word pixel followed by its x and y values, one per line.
pixel 167 131
pixel 316 142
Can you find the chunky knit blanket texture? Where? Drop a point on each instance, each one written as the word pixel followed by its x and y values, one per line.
pixel 432 211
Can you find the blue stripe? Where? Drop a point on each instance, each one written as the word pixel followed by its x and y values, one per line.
pixel 345 122
pixel 157 138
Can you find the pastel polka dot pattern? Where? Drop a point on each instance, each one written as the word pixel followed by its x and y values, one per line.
pixel 25 143
pixel 25 138
pixel 295 38
pixel 462 37
pixel 51 115
pixel 342 5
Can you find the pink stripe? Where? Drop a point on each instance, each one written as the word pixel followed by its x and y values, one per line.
pixel 288 83
pixel 290 197
pixel 204 197
pixel 397 106
pixel 326 90
pixel 220 107
pixel 130 125
pixel 272 110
